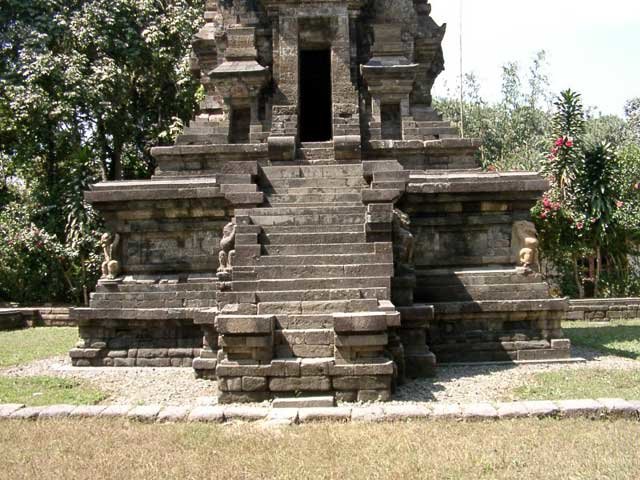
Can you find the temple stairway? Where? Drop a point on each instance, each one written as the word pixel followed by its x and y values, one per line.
pixel 325 287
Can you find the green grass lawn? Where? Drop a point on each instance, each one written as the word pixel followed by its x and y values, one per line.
pixel 22 346
pixel 620 337
pixel 36 391
pixel 576 449
pixel 581 383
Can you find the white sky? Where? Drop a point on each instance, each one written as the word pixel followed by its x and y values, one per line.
pixel 592 46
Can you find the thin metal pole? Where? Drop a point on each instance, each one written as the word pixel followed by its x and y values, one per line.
pixel 461 79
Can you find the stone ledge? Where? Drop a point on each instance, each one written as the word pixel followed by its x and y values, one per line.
pixel 603 408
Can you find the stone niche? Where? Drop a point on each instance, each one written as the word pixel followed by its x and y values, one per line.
pixel 318 229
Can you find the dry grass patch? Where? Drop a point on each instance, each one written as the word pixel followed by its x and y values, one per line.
pixel 524 449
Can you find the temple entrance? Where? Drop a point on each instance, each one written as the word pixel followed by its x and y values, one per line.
pixel 315 95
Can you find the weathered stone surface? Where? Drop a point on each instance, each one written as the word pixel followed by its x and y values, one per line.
pixel 56 411
pixel 207 414
pixel 144 413
pixel 302 384
pixel 173 414
pixel 618 407
pixel 512 410
pixel 479 411
pixel 367 414
pixel 541 408
pixel 245 413
pixel 406 412
pixel 446 411
pixel 304 402
pixel 324 414
pixel 6 409
pixel 580 408
pixel 116 411
pixel 87 411
pixel 27 413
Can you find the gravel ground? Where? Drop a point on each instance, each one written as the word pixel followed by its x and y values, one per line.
pixel 177 386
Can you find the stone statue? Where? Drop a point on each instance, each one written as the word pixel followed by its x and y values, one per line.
pixel 227 245
pixel 524 243
pixel 110 266
pixel 403 240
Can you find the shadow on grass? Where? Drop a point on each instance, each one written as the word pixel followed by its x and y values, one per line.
pixel 619 340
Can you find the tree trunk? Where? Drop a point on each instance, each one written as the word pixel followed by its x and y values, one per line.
pixel 578 280
pixel 596 279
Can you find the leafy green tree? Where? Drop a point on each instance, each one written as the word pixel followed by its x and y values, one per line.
pixel 515 130
pixel 87 87
pixel 589 216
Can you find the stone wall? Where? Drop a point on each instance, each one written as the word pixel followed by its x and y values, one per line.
pixel 22 317
pixel 603 309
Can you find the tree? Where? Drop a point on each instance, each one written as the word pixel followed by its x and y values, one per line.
pixel 515 130
pixel 590 212
pixel 87 87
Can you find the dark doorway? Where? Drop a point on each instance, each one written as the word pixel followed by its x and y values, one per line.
pixel 391 120
pixel 315 95
pixel 240 125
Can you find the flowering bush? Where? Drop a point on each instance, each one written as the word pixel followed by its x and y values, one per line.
pixel 590 217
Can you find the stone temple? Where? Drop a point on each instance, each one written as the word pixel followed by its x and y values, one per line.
pixel 318 228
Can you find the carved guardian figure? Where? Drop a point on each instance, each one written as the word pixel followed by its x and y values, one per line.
pixel 525 244
pixel 110 266
pixel 227 245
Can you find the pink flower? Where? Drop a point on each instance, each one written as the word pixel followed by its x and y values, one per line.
pixel 546 203
pixel 580 225
pixel 568 143
pixel 543 215
pixel 619 204
pixel 560 142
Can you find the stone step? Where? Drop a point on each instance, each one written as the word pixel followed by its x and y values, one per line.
pixel 379 293
pixel 327 249
pixel 323 205
pixel 317 307
pixel 314 153
pixel 327 144
pixel 322 271
pixel 445 293
pixel 316 190
pixel 328 219
pixel 312 171
pixel 278 229
pixel 304 321
pixel 314 182
pixel 315 198
pixel 333 259
pixel 301 211
pixel 476 277
pixel 329 236
pixel 310 284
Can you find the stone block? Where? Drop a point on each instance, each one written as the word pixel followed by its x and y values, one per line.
pixel 245 324
pixel 580 408
pixel 56 411
pixel 246 414
pixel 479 411
pixel 242 397
pixel 299 384
pixel 87 411
pixel 144 413
pixel 254 384
pixel 324 414
pixel 173 414
pixel 406 412
pixel 116 411
pixel 211 414
pixel 541 408
pixel 303 402
pixel 27 413
pixel 359 322
pixel 373 396
pixel 512 410
pixel 367 414
pixel 362 382
pixel 618 407
pixel 446 411
pixel 6 409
